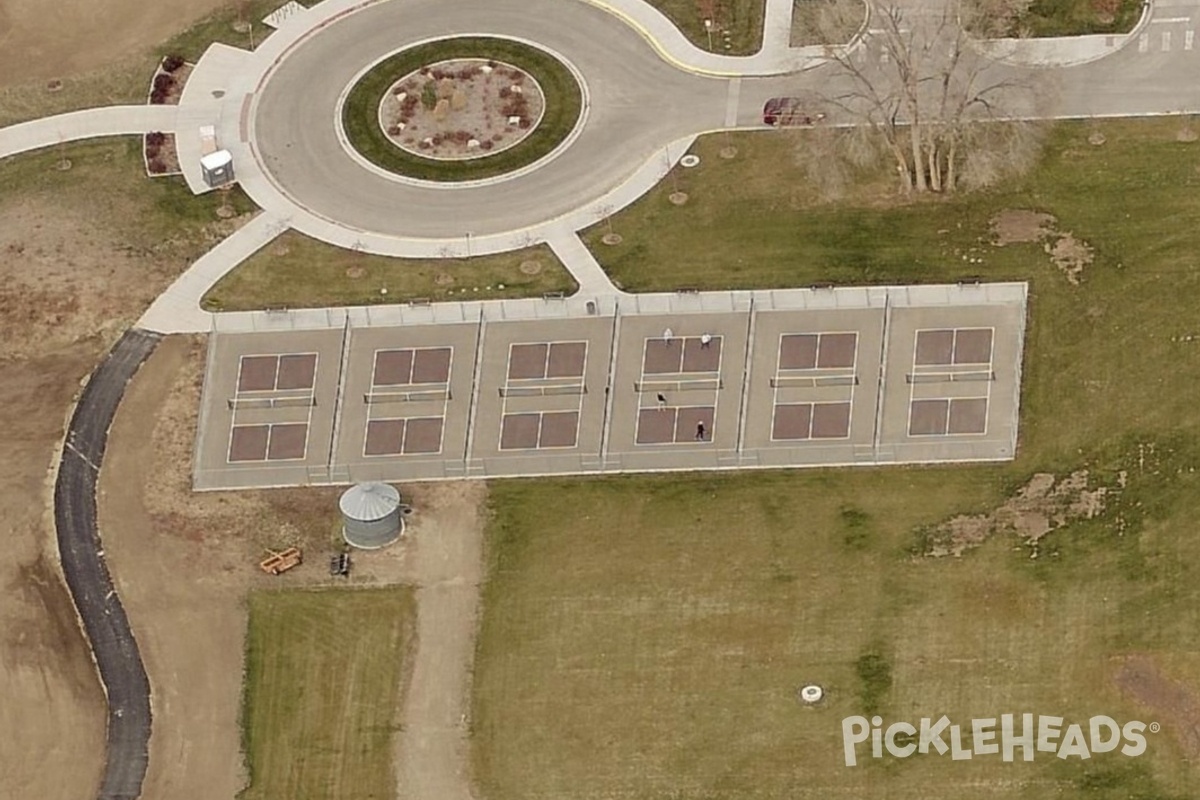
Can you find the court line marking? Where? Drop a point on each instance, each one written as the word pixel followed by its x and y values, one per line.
pixel 551 382
pixel 954 348
pixel 412 366
pixel 949 401
pixel 271 434
pixel 991 367
pixel 445 384
pixel 779 373
pixel 674 426
pixel 238 391
pixel 311 392
pixel 660 376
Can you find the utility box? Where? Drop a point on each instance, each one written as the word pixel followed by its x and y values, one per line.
pixel 217 168
pixel 208 139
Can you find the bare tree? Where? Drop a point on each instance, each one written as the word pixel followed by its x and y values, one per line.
pixel 944 114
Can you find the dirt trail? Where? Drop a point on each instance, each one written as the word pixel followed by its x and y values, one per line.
pixel 445 561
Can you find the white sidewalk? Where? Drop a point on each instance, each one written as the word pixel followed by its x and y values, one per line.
pixel 87 124
pixel 177 310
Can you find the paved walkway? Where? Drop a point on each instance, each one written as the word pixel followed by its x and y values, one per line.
pixel 87 124
pixel 177 310
pixel 81 552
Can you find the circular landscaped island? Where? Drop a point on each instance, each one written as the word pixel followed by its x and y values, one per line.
pixel 462 109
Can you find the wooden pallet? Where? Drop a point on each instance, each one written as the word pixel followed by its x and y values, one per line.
pixel 279 563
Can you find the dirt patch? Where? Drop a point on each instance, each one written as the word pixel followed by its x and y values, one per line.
pixel 1175 704
pixel 1041 506
pixel 530 267
pixel 68 276
pixel 1020 226
pixel 1016 226
pixel 1070 255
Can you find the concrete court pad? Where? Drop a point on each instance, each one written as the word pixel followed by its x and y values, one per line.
pixel 804 377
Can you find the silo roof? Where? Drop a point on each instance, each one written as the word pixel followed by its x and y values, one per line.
pixel 369 501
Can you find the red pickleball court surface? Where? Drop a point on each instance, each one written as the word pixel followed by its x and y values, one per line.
pixel 281 441
pixel 271 373
pixel 946 346
pixel 674 425
pixel 817 350
pixel 939 417
pixel 801 421
pixel 546 360
pixel 394 437
pixel 539 430
pixel 412 366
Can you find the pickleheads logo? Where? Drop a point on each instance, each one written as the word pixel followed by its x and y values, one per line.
pixel 989 737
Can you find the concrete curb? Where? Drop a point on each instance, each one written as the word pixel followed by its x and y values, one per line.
pixel 1060 51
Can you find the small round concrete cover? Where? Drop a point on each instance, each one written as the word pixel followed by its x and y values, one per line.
pixel 812 693
pixel 690 160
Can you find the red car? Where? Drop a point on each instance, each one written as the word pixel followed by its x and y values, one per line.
pixel 789 112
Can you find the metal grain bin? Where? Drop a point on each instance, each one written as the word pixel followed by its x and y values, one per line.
pixel 371 515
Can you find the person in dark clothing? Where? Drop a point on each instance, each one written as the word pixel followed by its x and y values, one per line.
pixel 700 431
pixel 662 401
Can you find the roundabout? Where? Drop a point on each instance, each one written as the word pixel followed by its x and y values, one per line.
pixel 631 102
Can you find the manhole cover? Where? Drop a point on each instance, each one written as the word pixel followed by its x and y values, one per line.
pixel 811 694
pixel 530 267
pixel 689 160
pixel 678 198
pixel 611 238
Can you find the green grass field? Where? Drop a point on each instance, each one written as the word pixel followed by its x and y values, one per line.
pixel 323 677
pixel 296 271
pixel 743 19
pixel 1075 17
pixel 644 637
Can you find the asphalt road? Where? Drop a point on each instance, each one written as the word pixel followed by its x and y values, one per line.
pixel 82 556
pixel 638 103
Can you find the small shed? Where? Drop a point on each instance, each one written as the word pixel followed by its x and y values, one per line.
pixel 217 168
pixel 371 515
